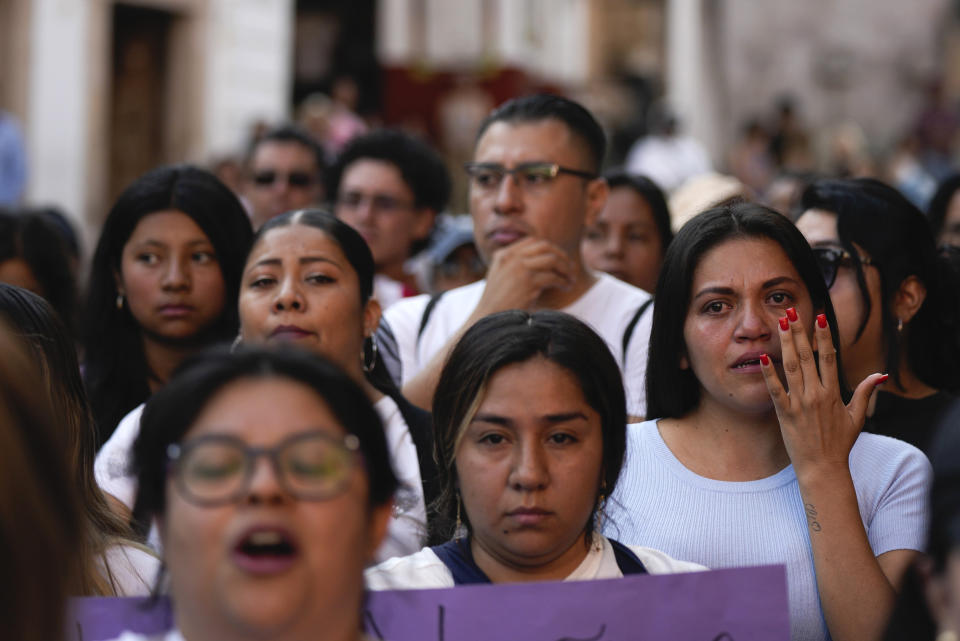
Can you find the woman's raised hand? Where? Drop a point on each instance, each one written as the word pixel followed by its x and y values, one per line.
pixel 818 429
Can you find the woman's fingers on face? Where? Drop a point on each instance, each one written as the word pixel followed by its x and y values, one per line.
pixel 826 351
pixel 803 349
pixel 774 386
pixel 788 353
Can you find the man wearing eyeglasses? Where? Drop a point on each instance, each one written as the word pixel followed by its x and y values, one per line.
pixel 534 188
pixel 283 172
pixel 390 186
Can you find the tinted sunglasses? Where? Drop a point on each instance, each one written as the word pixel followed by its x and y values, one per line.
pixel 830 260
pixel 294 178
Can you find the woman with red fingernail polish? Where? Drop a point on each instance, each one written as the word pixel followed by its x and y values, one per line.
pixel 737 469
pixel 896 309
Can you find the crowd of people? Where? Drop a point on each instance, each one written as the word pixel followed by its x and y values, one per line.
pixel 277 395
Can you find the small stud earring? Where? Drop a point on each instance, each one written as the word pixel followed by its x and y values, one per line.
pixel 899 325
pixel 119 301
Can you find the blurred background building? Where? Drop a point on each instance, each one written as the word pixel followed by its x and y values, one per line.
pixel 106 89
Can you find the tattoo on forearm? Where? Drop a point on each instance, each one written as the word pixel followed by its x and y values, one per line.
pixel 812 517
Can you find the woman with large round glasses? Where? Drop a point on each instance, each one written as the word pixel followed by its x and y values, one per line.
pixel 269 476
pixel 530 419
pixel 897 301
pixel 757 456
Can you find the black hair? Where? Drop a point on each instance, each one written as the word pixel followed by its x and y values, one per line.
pixel 32 237
pixel 911 618
pixel 940 203
pixel 116 370
pixel 539 107
pixel 172 411
pixel 672 391
pixel 288 134
pixel 503 339
pixel 651 193
pixel 420 167
pixel 893 232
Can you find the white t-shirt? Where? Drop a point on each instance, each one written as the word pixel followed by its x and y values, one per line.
pixel 132 570
pixel 607 307
pixel 425 570
pixel 723 524
pixel 404 534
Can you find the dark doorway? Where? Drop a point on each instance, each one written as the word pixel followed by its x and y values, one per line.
pixel 335 40
pixel 140 78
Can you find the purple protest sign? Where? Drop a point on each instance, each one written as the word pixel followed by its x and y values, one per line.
pixel 101 618
pixel 743 604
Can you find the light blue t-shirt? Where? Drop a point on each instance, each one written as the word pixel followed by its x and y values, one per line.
pixel 661 504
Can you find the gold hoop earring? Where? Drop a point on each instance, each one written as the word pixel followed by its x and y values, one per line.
pixel 119 301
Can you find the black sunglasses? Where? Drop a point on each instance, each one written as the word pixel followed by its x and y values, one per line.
pixel 294 178
pixel 830 260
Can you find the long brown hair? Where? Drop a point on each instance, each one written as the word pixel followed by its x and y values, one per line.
pixel 39 505
pixel 33 320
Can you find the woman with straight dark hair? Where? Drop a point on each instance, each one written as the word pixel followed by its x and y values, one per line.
pixel 897 301
pixel 163 284
pixel 274 548
pixel 529 417
pixel 630 236
pixel 308 283
pixel 110 563
pixel 754 457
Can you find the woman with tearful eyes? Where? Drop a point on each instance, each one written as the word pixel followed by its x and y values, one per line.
pixel 529 415
pixel 162 285
pixel 897 300
pixel 757 457
pixel 269 477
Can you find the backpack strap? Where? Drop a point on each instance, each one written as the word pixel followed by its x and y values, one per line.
pixel 427 311
pixel 457 557
pixel 627 560
pixel 628 332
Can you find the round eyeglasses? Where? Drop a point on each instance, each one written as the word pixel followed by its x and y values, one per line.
pixel 217 469
pixel 830 259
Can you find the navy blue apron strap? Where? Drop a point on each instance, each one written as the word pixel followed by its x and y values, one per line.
pixel 627 560
pixel 457 557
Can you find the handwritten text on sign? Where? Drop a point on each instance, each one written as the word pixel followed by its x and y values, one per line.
pixel 746 604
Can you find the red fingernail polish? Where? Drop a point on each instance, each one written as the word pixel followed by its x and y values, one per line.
pixel 784 325
pixel 792 314
pixel 882 379
pixel 822 320
pixel 764 359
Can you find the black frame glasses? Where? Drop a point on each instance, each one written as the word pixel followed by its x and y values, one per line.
pixel 217 469
pixel 488 175
pixel 266 177
pixel 830 259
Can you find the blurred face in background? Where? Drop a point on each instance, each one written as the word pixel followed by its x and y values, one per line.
pixel 624 240
pixel 374 199
pixel 282 176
